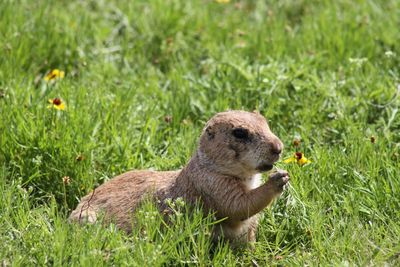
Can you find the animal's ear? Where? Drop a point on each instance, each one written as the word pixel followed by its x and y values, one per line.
pixel 210 133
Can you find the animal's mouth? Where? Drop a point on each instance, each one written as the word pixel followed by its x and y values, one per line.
pixel 265 167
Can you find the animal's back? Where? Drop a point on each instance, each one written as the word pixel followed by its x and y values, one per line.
pixel 118 197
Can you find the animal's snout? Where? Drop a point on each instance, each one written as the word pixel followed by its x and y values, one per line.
pixel 276 146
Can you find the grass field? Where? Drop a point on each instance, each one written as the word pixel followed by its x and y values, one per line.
pixel 142 78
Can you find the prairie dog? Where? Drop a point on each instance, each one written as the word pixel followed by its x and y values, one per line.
pixel 223 174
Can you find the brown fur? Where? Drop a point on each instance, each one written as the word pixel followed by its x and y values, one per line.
pixel 223 175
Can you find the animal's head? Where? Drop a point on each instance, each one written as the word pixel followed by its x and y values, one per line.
pixel 239 143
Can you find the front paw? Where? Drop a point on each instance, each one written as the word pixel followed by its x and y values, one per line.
pixel 279 180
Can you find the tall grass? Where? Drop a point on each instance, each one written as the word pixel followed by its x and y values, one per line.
pixel 142 77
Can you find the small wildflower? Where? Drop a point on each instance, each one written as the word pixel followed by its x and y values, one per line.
pixel 390 54
pixel 66 180
pixel 222 1
pixel 56 103
pixel 180 202
pixel 169 202
pixel 372 139
pixel 358 61
pixel 54 74
pixel 168 119
pixel 299 158
pixel 296 142
pixel 166 212
pixel 309 232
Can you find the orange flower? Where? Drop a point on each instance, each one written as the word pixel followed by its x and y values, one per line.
pixel 56 103
pixel 54 74
pixel 299 158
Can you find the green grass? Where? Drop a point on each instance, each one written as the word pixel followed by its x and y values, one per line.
pixel 325 71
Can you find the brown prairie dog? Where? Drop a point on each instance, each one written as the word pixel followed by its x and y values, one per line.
pixel 224 174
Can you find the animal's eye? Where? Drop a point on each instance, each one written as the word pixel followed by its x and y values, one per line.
pixel 240 133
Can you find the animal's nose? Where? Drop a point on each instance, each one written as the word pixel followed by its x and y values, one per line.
pixel 276 147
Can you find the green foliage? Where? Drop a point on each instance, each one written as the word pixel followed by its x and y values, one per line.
pixel 142 77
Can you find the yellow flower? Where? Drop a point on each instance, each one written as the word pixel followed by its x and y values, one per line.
pixel 56 103
pixel 222 1
pixel 54 74
pixel 299 158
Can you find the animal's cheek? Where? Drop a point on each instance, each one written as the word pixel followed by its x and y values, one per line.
pixel 268 156
pixel 234 151
pixel 250 158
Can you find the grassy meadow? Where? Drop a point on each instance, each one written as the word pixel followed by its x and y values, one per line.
pixel 141 77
